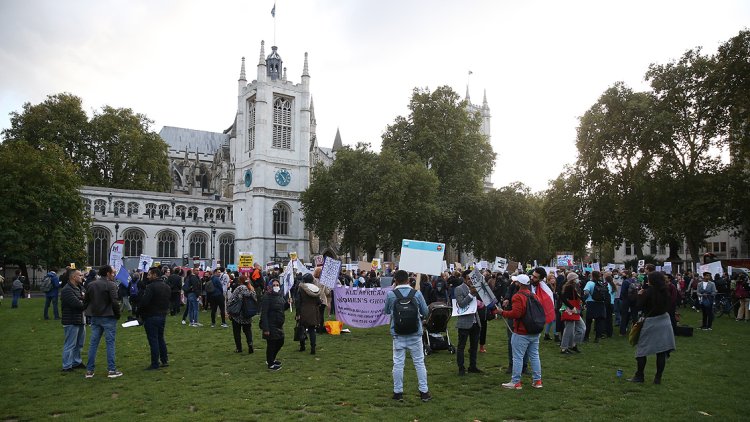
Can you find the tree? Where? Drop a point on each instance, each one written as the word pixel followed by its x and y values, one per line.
pixel 115 149
pixel 41 213
pixel 443 136
pixel 562 211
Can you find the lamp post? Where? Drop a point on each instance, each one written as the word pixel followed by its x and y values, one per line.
pixel 110 201
pixel 460 220
pixel 213 235
pixel 275 212
pixel 183 239
pixel 172 201
pixel 117 230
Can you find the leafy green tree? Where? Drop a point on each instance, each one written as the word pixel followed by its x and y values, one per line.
pixel 562 211
pixel 442 135
pixel 41 212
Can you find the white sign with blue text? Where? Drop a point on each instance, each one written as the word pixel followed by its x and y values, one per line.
pixel 421 257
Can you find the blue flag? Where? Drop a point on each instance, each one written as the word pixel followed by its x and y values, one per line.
pixel 123 276
pixel 273 11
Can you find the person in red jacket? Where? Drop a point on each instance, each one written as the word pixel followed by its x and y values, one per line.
pixel 521 342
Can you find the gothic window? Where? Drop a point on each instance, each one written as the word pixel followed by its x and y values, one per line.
pixel 87 205
pixel 652 247
pixel 221 215
pixel 166 244
pixel 226 249
pixel 98 247
pixel 151 210
pixel 193 213
pixel 198 243
pixel 282 123
pixel 181 211
pixel 132 208
pixel 133 243
pixel 281 219
pixel 100 206
pixel 628 249
pixel 163 211
pixel 251 124
pixel 119 207
pixel 208 214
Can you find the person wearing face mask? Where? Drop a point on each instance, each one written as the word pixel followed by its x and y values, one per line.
pixel 272 323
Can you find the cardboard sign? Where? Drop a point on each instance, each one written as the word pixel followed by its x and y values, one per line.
pixel 500 265
pixel 376 263
pixel 246 261
pixel 483 289
pixel 330 273
pixel 564 260
pixel 421 257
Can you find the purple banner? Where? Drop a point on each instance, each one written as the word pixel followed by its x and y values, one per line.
pixel 359 307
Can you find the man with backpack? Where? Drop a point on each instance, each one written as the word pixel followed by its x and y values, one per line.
pixel 528 318
pixel 468 325
pixel 17 288
pixel 628 300
pixel 51 287
pixel 406 307
pixel 597 295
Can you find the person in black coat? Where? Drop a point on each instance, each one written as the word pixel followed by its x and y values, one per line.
pixel 272 323
pixel 153 307
pixel 175 285
pixel 71 298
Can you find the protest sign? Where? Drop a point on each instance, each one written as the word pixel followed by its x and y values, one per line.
pixel 421 257
pixel 641 263
pixel 500 265
pixel 483 289
pixel 361 308
pixel 483 265
pixel 376 264
pixel 115 255
pixel 232 267
pixel 467 310
pixel 713 268
pixel 564 260
pixel 550 270
pixel 667 267
pixel 595 267
pixel 386 281
pixel 444 267
pixel 364 266
pixel 452 268
pixel 301 268
pixel 292 256
pixel 319 260
pixel 246 262
pixel 330 273
pixel 145 262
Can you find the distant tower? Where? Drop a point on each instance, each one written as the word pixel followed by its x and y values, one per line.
pixel 484 112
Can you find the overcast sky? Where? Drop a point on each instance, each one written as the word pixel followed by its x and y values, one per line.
pixel 542 63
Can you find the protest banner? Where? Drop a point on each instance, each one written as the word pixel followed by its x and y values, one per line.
pixel 361 308
pixel 564 260
pixel 145 262
pixel 246 262
pixel 500 265
pixel 421 257
pixel 330 273
pixel 483 289
pixel 667 267
pixel 467 310
pixel 713 268
pixel 115 255
pixel 301 268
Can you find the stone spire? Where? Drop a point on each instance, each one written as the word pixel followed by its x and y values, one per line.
pixel 262 60
pixel 337 144
pixel 484 100
pixel 242 71
pixel 312 109
pixel 305 71
pixel 468 97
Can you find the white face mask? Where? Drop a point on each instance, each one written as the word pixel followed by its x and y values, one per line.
pixel 276 289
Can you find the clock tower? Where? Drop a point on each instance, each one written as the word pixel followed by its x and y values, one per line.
pixel 270 154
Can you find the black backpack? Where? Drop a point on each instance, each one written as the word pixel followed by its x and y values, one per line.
pixel 534 318
pixel 601 292
pixel 405 313
pixel 249 307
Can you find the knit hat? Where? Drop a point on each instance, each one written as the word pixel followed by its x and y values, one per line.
pixel 571 276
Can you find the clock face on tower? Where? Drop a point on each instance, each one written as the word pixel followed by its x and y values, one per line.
pixel 248 178
pixel 283 177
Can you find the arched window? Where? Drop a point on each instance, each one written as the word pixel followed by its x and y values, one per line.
pixel 133 243
pixel 251 124
pixel 151 210
pixel 198 242
pixel 163 210
pixel 87 205
pixel 193 213
pixel 119 207
pixel 281 219
pixel 181 212
pixel 166 244
pixel 226 249
pixel 208 214
pixel 100 206
pixel 221 215
pixel 282 123
pixel 132 208
pixel 99 247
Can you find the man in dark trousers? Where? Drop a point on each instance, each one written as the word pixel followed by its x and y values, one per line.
pixel 153 308
pixel 175 284
pixel 468 325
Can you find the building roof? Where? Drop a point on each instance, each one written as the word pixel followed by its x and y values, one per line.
pixel 181 139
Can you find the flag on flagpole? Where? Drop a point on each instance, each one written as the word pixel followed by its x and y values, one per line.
pixel 288 277
pixel 470 72
pixel 546 298
pixel 123 276
pixel 273 11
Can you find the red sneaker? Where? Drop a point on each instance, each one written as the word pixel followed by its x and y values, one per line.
pixel 537 384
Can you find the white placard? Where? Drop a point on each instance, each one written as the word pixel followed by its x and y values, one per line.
pixel 667 267
pixel 468 310
pixel 500 265
pixel 483 265
pixel 145 262
pixel 421 257
pixel 329 275
pixel 713 268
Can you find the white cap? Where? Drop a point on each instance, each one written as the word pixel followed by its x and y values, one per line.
pixel 521 278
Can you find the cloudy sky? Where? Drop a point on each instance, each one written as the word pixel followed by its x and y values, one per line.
pixel 542 63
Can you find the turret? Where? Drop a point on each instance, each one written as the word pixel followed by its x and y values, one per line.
pixel 274 64
pixel 242 81
pixel 262 63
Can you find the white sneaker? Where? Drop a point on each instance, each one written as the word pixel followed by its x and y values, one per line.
pixel 224 326
pixel 512 385
pixel 114 374
pixel 183 322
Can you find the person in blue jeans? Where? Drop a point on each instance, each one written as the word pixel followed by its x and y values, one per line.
pixel 17 288
pixel 404 342
pixel 50 298
pixel 154 305
pixel 102 306
pixel 522 342
pixel 71 297
pixel 192 299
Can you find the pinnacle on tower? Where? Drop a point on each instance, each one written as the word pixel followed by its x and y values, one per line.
pixel 305 71
pixel 484 100
pixel 242 70
pixel 337 144
pixel 262 59
pixel 468 98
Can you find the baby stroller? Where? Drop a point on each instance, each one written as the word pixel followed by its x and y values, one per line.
pixel 435 335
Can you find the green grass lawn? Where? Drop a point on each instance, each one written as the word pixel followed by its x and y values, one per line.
pixel 350 378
